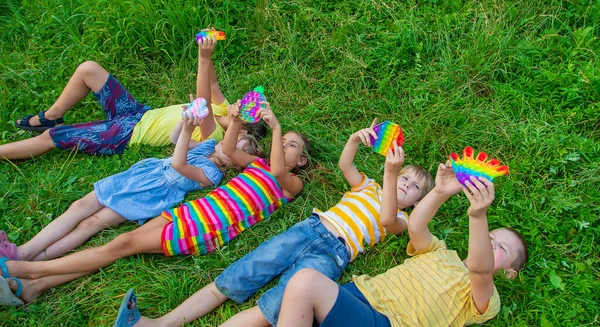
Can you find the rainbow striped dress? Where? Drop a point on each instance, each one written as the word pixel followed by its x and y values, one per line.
pixel 204 224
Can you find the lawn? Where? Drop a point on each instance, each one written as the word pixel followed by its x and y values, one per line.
pixel 517 79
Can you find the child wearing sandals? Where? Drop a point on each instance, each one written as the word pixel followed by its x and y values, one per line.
pixel 127 120
pixel 198 226
pixel 326 241
pixel 433 288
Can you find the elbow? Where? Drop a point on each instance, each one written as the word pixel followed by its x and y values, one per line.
pixel 178 166
pixel 278 173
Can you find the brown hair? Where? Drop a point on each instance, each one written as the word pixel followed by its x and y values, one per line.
pixel 421 173
pixel 522 253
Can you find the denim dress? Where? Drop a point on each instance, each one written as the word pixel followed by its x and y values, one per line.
pixel 152 186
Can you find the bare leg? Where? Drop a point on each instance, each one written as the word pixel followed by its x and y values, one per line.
pixel 88 76
pixel 33 288
pixel 252 317
pixel 196 306
pixel 59 227
pixel 146 241
pixel 100 220
pixel 309 295
pixel 29 148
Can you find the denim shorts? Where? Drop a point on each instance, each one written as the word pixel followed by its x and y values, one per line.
pixel 308 244
pixel 351 308
pixel 108 136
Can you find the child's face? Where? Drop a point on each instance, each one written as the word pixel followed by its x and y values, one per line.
pixel 410 187
pixel 293 149
pixel 505 245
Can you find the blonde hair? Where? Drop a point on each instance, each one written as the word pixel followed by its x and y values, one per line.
pixel 251 147
pixel 421 173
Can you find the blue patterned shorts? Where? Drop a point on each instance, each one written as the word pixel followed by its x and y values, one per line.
pixel 108 136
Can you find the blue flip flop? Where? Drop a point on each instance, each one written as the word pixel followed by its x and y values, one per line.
pixel 128 317
pixel 7 297
pixel 3 267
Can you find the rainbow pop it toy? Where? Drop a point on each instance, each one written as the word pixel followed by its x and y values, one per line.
pixel 387 133
pixel 469 166
pixel 196 109
pixel 219 36
pixel 251 104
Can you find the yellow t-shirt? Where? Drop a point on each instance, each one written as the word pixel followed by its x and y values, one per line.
pixel 156 125
pixel 431 289
pixel 356 216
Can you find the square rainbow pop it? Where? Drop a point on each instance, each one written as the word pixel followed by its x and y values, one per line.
pixel 468 166
pixel 219 36
pixel 251 104
pixel 196 109
pixel 387 133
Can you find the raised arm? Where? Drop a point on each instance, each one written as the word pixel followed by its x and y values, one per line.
pixel 179 161
pixel 480 259
pixel 446 185
pixel 346 162
pixel 389 201
pixel 206 47
pixel 291 184
pixel 240 157
pixel 176 131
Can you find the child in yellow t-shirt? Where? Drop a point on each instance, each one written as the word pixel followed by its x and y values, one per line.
pixel 433 288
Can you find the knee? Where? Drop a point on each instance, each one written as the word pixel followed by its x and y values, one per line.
pixel 303 282
pixel 90 225
pixel 88 67
pixel 121 246
pixel 45 138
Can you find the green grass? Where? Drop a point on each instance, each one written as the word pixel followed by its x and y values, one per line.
pixel 518 79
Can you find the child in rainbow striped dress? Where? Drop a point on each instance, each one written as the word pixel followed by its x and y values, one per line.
pixel 326 241
pixel 197 226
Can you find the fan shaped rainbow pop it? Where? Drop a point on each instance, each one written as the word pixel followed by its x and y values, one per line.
pixel 219 36
pixel 251 104
pixel 387 133
pixel 479 166
pixel 196 109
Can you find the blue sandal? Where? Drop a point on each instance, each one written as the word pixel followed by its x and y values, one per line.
pixel 128 317
pixel 7 297
pixel 3 267
pixel 44 123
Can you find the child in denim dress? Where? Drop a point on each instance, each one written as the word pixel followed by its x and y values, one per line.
pixel 197 226
pixel 326 241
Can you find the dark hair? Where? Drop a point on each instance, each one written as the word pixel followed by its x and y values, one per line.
pixel 522 253
pixel 258 130
pixel 421 173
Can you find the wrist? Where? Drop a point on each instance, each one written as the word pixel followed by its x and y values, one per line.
pixel 441 192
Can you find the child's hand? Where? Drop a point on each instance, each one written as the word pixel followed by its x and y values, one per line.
pixel 233 110
pixel 394 159
pixel 445 180
pixel 267 115
pixel 190 123
pixel 364 135
pixel 480 192
pixel 206 46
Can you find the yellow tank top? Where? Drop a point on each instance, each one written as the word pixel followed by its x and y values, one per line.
pixel 156 125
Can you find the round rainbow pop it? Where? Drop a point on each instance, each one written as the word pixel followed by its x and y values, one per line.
pixel 251 104
pixel 196 109
pixel 387 133
pixel 468 166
